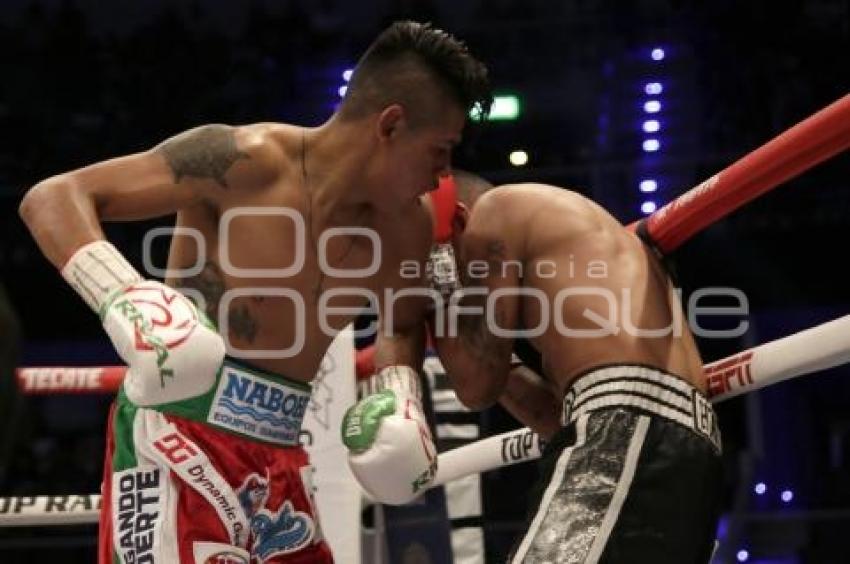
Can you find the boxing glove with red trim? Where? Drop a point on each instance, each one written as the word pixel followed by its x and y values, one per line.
pixel 391 450
pixel 172 350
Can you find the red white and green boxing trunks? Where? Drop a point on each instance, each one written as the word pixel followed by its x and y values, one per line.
pixel 216 479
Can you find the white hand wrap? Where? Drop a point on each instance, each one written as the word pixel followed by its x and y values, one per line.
pixel 391 450
pixel 172 351
pixel 97 271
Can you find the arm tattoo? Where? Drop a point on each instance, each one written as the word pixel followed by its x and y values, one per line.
pixel 206 152
pixel 481 343
pixel 473 329
pixel 496 251
pixel 494 256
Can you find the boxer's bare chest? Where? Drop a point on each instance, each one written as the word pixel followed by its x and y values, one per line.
pixel 278 285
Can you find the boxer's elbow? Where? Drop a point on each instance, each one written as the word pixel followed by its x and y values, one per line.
pixel 477 385
pixel 477 396
pixel 476 401
pixel 60 217
pixel 30 204
pixel 40 200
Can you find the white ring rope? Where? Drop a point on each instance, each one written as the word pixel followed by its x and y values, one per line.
pixel 43 510
pixel 818 348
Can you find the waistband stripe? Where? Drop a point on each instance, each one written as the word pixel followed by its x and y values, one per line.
pixel 668 394
pixel 629 400
pixel 646 389
pixel 647 394
pixel 639 386
pixel 636 373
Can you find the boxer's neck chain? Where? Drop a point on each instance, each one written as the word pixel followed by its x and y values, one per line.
pixel 305 180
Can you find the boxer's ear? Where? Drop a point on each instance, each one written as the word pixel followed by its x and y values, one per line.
pixel 390 121
pixel 461 217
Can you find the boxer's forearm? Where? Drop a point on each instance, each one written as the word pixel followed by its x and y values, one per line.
pixel 403 346
pixel 61 217
pixel 478 378
pixel 477 360
pixel 532 401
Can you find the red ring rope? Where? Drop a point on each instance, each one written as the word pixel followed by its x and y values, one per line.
pixel 808 143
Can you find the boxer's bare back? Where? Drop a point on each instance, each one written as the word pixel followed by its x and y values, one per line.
pixel 593 293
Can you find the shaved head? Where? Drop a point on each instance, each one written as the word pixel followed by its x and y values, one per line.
pixel 419 68
pixel 469 186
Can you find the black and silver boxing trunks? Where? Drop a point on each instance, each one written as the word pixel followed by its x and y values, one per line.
pixel 633 477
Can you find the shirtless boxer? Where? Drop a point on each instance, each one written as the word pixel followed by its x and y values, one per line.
pixel 634 474
pixel 203 462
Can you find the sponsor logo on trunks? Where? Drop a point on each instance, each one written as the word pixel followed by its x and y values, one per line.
pixel 273 533
pixel 225 558
pixel 175 448
pixel 218 553
pixel 729 374
pixel 136 514
pixel 520 446
pixel 705 419
pixel 252 494
pixel 567 410
pixel 258 408
pixel 187 461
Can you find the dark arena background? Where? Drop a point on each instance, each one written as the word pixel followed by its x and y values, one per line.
pixel 630 103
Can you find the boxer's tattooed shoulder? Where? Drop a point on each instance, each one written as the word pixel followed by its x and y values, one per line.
pixel 204 152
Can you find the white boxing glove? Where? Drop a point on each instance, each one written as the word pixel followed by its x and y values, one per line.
pixel 391 450
pixel 171 349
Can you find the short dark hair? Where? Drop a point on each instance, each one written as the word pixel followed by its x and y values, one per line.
pixel 470 186
pixel 403 60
